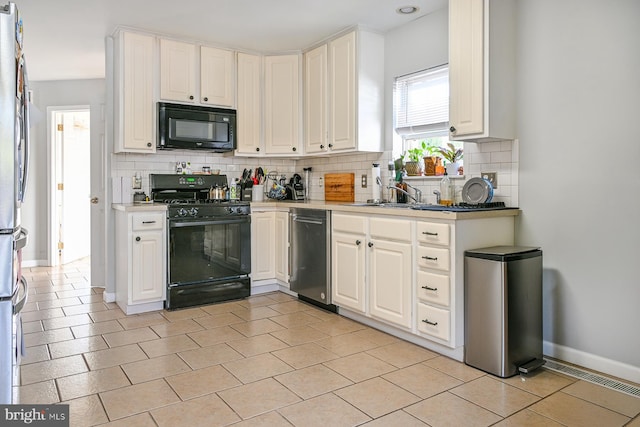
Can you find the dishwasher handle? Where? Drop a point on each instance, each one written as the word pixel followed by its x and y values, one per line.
pixel 308 220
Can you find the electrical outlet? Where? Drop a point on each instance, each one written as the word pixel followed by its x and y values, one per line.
pixel 492 177
pixel 364 181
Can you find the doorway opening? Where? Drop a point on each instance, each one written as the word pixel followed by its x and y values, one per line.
pixel 70 185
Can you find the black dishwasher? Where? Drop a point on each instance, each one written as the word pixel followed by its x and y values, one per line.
pixel 310 256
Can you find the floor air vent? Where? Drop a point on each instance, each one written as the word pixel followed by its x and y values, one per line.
pixel 593 378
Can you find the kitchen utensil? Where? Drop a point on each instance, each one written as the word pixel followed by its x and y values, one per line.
pixel 477 190
pixel 217 193
pixel 276 191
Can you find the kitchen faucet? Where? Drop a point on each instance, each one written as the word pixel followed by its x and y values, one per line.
pixel 418 193
pixel 391 187
pixel 437 193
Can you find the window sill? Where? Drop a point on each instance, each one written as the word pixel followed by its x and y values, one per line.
pixel 430 178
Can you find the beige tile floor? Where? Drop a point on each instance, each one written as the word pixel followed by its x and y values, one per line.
pixel 269 360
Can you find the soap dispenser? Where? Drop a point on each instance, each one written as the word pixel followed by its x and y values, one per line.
pixel 447 190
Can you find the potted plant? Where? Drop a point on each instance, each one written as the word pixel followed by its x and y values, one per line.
pixel 413 160
pixel 432 160
pixel 451 154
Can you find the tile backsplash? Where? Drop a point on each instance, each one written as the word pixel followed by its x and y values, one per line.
pixel 498 156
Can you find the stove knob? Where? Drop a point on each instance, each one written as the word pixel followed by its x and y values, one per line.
pixel 182 212
pixel 200 181
pixel 193 211
pixel 230 209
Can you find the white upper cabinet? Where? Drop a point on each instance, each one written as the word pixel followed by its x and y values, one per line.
pixel 482 69
pixel 249 109
pixel 282 104
pixel 344 93
pixel 134 82
pixel 177 71
pixel 315 100
pixel 182 63
pixel 216 76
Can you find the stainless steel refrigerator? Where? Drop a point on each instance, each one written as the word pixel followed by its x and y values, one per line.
pixel 14 160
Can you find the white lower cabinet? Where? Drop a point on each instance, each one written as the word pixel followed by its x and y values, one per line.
pixel 407 274
pixel 390 273
pixel 262 245
pixel 269 249
pixel 140 260
pixel 348 270
pixel 433 283
pixel 371 266
pixel 282 246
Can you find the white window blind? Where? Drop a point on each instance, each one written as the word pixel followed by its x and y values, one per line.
pixel 421 101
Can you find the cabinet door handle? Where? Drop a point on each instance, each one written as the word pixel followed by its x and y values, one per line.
pixel 148 222
pixel 358 242
pixel 138 239
pixel 452 129
pixel 429 289
pixel 191 97
pixel 330 145
pixel 430 323
pixel 148 144
pixel 430 258
pixel 321 146
pixel 294 148
pixel 428 233
pixel 370 244
pixel 205 99
pixel 257 148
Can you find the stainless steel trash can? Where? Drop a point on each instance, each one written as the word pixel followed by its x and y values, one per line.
pixel 503 309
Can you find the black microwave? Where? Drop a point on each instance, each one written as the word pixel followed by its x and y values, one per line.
pixel 193 127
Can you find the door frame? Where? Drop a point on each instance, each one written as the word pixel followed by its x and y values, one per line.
pixel 52 243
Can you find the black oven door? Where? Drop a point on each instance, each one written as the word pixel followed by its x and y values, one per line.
pixel 208 260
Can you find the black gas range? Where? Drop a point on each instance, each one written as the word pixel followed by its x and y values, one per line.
pixel 188 196
pixel 209 240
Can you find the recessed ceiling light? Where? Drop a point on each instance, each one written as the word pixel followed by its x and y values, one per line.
pixel 407 10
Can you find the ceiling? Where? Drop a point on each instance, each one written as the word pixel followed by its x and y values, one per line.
pixel 64 39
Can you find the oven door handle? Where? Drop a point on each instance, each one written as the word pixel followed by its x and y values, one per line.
pixel 208 222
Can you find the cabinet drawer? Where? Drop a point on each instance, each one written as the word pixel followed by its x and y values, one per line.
pixel 349 224
pixel 153 221
pixel 429 257
pixel 433 233
pixel 390 229
pixel 433 288
pixel 434 321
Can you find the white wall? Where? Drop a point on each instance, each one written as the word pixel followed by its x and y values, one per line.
pixel 47 94
pixel 578 100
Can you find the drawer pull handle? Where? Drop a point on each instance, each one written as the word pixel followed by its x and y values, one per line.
pixel 370 244
pixel 148 222
pixel 358 242
pixel 430 258
pixel 429 289
pixel 430 323
pixel 429 233
pixel 138 239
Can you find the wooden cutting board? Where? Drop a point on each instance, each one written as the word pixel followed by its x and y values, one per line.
pixel 339 187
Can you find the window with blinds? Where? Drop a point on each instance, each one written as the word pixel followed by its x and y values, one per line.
pixel 421 102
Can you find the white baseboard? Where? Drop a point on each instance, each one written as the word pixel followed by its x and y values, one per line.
pixel 109 296
pixel 453 353
pixel 592 361
pixel 35 263
pixel 266 286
